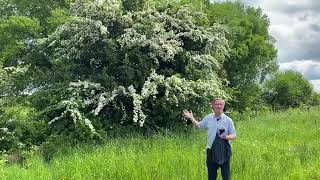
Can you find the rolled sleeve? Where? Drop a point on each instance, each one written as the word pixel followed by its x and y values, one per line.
pixel 203 123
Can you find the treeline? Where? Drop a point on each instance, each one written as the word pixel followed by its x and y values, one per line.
pixel 84 71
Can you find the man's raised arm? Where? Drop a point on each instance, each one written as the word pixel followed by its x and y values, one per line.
pixel 188 114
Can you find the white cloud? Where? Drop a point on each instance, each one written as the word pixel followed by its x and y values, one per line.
pixel 296 35
pixel 295 24
pixel 310 69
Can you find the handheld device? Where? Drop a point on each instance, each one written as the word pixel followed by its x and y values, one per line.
pixel 221 131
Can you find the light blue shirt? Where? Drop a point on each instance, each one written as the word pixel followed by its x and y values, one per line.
pixel 210 122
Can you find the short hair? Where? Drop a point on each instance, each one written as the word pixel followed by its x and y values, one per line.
pixel 216 99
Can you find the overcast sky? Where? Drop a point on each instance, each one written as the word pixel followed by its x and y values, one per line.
pixel 295 24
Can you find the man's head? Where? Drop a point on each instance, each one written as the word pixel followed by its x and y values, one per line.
pixel 217 105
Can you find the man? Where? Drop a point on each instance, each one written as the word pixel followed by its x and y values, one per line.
pixel 220 131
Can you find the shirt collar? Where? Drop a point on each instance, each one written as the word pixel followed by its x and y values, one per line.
pixel 218 117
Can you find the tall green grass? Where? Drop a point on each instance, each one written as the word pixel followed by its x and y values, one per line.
pixel 277 146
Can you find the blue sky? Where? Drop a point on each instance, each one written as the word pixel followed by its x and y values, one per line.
pixel 295 24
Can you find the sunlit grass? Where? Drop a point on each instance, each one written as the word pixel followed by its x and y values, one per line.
pixel 276 146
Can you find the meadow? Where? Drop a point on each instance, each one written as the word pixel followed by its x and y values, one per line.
pixel 282 145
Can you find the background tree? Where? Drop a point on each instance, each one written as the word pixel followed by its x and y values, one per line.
pixel 40 10
pixel 252 52
pixel 287 89
pixel 21 23
pixel 315 99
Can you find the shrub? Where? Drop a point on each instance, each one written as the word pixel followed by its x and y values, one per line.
pixel 19 128
pixel 124 69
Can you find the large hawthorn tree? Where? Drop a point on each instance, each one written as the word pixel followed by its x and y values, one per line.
pixel 120 68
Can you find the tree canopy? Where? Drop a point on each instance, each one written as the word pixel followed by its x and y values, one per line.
pixel 119 68
pixel 288 89
pixel 252 51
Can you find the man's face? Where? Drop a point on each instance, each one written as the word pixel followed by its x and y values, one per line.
pixel 218 106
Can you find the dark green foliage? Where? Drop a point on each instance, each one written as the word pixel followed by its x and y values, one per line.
pixel 20 130
pixel 21 23
pixel 250 97
pixel 252 54
pixel 133 5
pixel 55 144
pixel 37 9
pixel 8 140
pixel 315 99
pixel 287 89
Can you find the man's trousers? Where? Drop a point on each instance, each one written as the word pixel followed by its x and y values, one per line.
pixel 213 168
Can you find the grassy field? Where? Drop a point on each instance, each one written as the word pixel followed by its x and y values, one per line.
pixel 276 146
